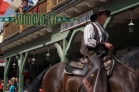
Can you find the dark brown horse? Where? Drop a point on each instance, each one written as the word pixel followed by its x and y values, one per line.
pixel 124 78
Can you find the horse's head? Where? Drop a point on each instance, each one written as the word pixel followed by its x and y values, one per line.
pixel 125 77
pixel 131 60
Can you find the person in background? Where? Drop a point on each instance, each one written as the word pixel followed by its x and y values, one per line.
pixel 16 84
pixel 27 84
pixel 1 85
pixel 32 2
pixel 8 85
pixel 12 87
pixel 41 90
pixel 28 4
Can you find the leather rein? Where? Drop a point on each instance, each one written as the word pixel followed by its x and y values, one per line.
pixel 123 64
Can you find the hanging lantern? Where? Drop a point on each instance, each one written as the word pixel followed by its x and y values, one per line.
pixel 48 55
pixel 131 24
pixel 14 64
pixel 33 59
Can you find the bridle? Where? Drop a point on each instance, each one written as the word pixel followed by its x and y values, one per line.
pixel 123 64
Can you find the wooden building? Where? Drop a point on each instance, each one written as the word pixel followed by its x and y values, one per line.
pixel 64 39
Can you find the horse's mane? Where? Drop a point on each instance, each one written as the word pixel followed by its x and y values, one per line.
pixel 131 59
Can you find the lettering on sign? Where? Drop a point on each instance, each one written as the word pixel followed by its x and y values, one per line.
pixel 82 18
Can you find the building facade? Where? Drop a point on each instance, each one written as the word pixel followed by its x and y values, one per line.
pixel 62 41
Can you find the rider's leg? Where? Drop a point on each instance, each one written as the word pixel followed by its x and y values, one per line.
pixel 97 76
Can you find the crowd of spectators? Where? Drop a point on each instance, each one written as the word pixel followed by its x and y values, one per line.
pixel 1 85
pixel 12 85
pixel 27 4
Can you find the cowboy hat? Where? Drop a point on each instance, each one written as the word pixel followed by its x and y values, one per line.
pixel 99 10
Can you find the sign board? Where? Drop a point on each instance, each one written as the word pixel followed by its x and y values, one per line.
pixel 36 19
pixel 82 18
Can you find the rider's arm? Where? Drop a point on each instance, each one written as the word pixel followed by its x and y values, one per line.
pixel 89 40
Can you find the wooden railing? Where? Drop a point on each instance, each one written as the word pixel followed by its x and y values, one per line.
pixel 11 28
pixel 44 6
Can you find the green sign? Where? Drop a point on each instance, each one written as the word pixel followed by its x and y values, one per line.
pixel 7 19
pixel 36 19
pixel 65 19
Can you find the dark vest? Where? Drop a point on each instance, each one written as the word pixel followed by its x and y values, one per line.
pixel 89 51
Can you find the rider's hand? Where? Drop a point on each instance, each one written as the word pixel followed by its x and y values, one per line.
pixel 108 46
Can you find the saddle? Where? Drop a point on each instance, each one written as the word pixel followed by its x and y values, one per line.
pixel 80 67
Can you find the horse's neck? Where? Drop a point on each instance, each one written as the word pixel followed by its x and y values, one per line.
pixel 122 80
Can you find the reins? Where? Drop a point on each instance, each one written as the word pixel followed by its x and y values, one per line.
pixel 123 64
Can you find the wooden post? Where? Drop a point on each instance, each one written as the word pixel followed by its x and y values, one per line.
pixel 50 4
pixel 21 26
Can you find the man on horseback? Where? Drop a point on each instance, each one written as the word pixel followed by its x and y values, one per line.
pixel 94 43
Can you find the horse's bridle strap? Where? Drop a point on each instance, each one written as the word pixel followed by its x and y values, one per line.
pixel 123 64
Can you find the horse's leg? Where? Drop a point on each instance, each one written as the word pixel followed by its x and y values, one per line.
pixel 52 80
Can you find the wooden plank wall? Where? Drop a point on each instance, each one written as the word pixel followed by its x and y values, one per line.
pixel 43 8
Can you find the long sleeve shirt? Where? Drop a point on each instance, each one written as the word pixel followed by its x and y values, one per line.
pixel 89 35
pixel 12 88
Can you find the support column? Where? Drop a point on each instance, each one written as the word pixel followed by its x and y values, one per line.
pixel 7 62
pixel 65 43
pixel 21 63
pixel 60 52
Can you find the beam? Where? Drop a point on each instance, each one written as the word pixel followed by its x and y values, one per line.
pixel 108 21
pixel 37 43
pixel 7 65
pixel 24 61
pixel 60 51
pixel 118 6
